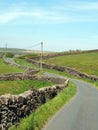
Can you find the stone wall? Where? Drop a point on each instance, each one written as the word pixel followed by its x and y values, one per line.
pixel 13 63
pixel 56 54
pixel 15 107
pixel 65 69
pixel 18 76
pixel 29 74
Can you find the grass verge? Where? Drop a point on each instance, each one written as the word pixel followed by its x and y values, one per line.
pixel 37 120
pixel 24 62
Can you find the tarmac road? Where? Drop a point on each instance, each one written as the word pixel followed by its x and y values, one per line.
pixel 81 113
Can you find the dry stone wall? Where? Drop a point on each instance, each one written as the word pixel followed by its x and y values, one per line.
pixel 65 69
pixel 13 63
pixel 17 76
pixel 15 107
pixel 71 52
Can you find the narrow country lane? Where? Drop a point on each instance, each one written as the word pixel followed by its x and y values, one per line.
pixel 81 113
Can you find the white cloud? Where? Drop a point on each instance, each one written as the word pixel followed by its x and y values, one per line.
pixel 42 15
pixel 69 12
pixel 10 16
pixel 5 18
pixel 84 6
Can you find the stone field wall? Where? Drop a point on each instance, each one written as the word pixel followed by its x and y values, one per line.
pixel 17 76
pixel 15 107
pixel 13 63
pixel 65 69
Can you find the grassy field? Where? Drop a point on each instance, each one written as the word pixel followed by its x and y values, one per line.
pixel 5 68
pixel 23 62
pixel 38 119
pixel 87 62
pixel 20 86
pixel 84 62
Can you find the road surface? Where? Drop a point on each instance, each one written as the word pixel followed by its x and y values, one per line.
pixel 81 113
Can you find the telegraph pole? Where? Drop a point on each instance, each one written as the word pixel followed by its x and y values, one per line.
pixel 5 49
pixel 41 57
pixel 6 45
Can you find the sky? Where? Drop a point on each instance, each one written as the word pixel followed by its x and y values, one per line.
pixel 61 25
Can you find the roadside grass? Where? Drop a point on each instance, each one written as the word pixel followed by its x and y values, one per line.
pixel 20 86
pixel 24 62
pixel 5 68
pixel 94 83
pixel 87 62
pixel 37 119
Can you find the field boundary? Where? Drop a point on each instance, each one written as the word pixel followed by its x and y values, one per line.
pixel 69 70
pixel 15 107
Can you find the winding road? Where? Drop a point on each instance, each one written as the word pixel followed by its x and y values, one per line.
pixel 81 113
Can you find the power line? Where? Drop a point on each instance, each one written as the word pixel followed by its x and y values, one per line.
pixel 33 46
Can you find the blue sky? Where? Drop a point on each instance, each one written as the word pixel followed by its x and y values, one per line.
pixel 61 24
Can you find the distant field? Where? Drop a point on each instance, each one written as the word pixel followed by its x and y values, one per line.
pixel 23 62
pixel 12 50
pixel 20 86
pixel 87 62
pixel 5 68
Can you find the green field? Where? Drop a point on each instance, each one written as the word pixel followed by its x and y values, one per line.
pixel 20 86
pixel 23 62
pixel 87 62
pixel 5 68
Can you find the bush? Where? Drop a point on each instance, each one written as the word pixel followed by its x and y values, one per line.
pixel 9 55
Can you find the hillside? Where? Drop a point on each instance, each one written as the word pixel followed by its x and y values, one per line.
pixel 12 50
pixel 84 62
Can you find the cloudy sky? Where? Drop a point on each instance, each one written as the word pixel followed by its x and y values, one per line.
pixel 60 24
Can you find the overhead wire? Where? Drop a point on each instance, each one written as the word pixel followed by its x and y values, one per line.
pixel 32 46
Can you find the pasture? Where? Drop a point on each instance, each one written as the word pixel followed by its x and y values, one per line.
pixel 87 62
pixel 6 68
pixel 20 86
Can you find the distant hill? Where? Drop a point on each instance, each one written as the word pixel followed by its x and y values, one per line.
pixel 50 54
pixel 22 51
pixel 12 50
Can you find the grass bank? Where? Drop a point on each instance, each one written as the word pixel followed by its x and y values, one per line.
pixel 20 86
pixel 38 119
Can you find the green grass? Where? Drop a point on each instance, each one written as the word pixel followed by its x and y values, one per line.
pixel 38 119
pixel 5 68
pixel 20 86
pixel 23 62
pixel 87 62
